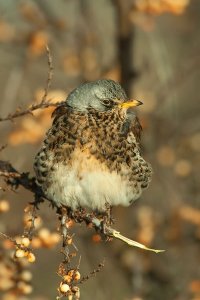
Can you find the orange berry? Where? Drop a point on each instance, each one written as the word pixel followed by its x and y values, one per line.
pixel 36 242
pixel 4 206
pixel 69 241
pixel 31 257
pixel 55 238
pixel 26 276
pixel 24 288
pixel 77 276
pixel 96 238
pixel 25 241
pixel 67 278
pixel 64 288
pixel 44 234
pixel 71 273
pixel 19 253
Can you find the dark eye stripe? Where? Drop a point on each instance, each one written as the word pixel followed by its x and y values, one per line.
pixel 107 102
pixel 110 102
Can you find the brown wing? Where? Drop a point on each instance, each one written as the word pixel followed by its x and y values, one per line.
pixel 58 112
pixel 136 128
pixel 132 124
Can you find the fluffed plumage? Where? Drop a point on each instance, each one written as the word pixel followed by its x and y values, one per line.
pixel 91 154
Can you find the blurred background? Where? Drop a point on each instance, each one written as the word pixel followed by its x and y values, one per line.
pixel 153 49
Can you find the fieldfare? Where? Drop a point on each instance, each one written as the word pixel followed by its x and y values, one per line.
pixel 91 155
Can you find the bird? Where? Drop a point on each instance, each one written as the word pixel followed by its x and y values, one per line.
pixel 91 156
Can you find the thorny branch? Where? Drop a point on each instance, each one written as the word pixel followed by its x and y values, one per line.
pixel 14 179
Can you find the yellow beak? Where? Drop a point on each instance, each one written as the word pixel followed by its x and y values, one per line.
pixel 130 103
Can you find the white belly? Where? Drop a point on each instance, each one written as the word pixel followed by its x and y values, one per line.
pixel 88 188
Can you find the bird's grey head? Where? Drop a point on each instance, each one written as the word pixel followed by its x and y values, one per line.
pixel 101 95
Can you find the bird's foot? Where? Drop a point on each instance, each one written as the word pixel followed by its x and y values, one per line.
pixel 105 215
pixel 108 219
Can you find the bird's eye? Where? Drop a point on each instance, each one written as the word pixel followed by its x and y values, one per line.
pixel 107 102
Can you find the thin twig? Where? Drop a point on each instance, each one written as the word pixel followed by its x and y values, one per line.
pixel 93 273
pixel 111 232
pixel 80 216
pixel 33 215
pixel 64 231
pixel 9 174
pixel 50 75
pixel 33 107
pixel 15 179
pixel 7 237
pixel 44 103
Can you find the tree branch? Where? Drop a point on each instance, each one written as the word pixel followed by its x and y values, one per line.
pixel 14 178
